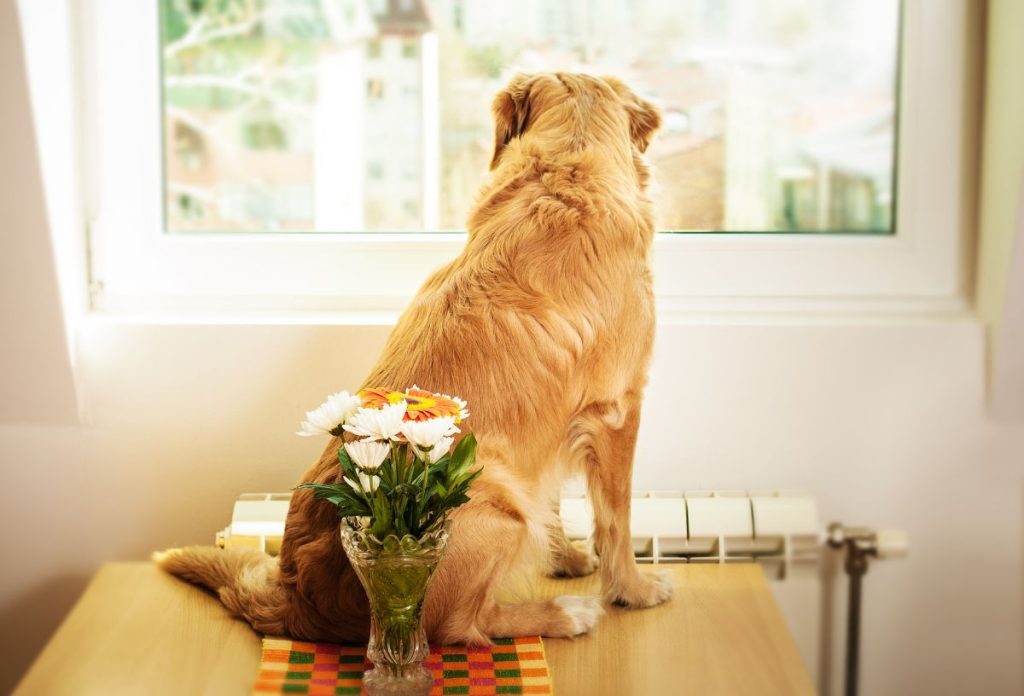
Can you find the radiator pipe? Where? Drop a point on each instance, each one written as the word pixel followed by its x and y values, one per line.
pixel 858 545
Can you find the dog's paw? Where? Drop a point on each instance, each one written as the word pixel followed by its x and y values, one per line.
pixel 582 612
pixel 645 590
pixel 574 562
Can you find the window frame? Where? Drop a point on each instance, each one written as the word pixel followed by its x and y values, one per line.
pixel 137 269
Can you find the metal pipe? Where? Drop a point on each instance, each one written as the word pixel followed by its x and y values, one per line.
pixel 856 566
pixel 858 545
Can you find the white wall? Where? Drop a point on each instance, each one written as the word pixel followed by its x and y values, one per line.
pixel 36 382
pixel 883 422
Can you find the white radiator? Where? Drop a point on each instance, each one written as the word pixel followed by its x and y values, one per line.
pixel 780 531
pixel 257 520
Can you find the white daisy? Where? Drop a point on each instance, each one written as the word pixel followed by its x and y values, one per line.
pixel 434 454
pixel 369 482
pixel 368 454
pixel 384 423
pixel 426 433
pixel 328 418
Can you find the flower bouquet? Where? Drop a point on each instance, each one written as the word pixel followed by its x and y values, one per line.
pixel 400 478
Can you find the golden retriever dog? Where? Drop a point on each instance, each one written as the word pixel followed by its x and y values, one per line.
pixel 544 323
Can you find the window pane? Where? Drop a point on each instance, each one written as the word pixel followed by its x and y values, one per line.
pixel 354 115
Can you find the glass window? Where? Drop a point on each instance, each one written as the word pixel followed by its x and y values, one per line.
pixel 779 115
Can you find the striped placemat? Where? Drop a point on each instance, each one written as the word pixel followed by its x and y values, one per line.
pixel 510 666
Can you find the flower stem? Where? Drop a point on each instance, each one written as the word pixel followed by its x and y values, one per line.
pixel 394 462
pixel 426 470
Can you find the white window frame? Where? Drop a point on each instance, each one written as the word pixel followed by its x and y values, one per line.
pixel 137 269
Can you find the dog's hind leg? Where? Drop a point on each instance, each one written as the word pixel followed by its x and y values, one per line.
pixel 562 617
pixel 493 540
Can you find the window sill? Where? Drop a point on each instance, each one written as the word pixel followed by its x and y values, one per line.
pixel 765 313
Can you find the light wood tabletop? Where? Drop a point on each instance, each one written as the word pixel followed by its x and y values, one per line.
pixel 138 631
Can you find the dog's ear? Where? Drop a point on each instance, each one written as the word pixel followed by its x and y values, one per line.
pixel 644 121
pixel 644 117
pixel 511 114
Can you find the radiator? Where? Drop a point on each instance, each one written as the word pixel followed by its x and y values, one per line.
pixel 778 530
pixel 257 520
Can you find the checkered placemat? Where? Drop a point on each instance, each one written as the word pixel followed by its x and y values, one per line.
pixel 510 666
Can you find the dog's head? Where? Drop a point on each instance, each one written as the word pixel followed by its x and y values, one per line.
pixel 573 110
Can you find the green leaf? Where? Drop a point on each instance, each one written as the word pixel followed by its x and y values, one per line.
pixel 441 464
pixel 346 464
pixel 381 513
pixel 464 454
pixel 340 494
pixel 471 477
pixel 319 487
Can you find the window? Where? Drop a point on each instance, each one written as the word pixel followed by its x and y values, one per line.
pixel 790 121
pixel 779 116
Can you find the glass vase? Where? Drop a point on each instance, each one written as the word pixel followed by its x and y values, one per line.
pixel 395 574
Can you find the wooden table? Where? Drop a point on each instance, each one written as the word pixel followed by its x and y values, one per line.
pixel 138 631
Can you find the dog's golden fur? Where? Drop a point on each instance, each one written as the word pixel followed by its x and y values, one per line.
pixel 544 323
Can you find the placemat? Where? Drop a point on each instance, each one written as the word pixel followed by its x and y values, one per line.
pixel 510 666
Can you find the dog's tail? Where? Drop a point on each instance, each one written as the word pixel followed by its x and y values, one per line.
pixel 245 579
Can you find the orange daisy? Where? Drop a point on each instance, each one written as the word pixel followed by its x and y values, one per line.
pixel 375 397
pixel 420 403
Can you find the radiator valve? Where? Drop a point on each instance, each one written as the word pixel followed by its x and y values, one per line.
pixel 862 542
